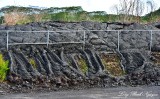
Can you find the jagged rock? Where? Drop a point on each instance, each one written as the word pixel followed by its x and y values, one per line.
pixel 114 27
pixel 55 37
pixel 17 39
pixel 156 48
pixel 128 40
pixel 93 36
pixel 57 64
pixel 132 61
pixel 97 42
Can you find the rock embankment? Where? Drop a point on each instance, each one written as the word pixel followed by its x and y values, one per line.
pixel 99 35
pixel 98 58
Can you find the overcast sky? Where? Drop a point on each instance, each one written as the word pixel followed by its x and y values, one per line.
pixel 88 5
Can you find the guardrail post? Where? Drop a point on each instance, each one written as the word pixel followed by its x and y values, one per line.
pixel 48 38
pixel 84 39
pixel 118 40
pixel 7 39
pixel 150 47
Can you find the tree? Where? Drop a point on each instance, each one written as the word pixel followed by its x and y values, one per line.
pixel 115 7
pixel 74 9
pixel 151 5
pixel 128 8
pixel 139 9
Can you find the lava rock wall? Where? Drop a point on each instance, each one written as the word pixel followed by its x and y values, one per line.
pixel 73 63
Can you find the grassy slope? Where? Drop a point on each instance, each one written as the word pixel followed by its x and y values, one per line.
pixel 68 14
pixel 152 17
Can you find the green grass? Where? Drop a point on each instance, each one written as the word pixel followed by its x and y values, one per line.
pixel 32 62
pixel 3 68
pixel 82 64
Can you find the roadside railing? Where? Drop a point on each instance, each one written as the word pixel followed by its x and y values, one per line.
pixel 70 36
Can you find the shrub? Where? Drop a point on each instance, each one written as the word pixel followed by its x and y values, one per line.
pixel 38 17
pixel 47 17
pixel 3 68
pixel 1 20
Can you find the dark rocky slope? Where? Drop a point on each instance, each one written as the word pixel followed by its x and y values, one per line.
pixel 98 63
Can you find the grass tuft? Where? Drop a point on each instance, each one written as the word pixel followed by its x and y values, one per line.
pixel 82 64
pixel 112 64
pixel 32 62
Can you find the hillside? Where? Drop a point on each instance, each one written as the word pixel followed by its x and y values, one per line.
pixel 152 16
pixel 12 15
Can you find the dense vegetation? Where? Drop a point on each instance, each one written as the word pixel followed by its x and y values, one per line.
pixel 21 15
pixel 3 68
pixel 152 17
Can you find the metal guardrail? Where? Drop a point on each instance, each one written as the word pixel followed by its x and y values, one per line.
pixel 40 43
pixel 84 36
